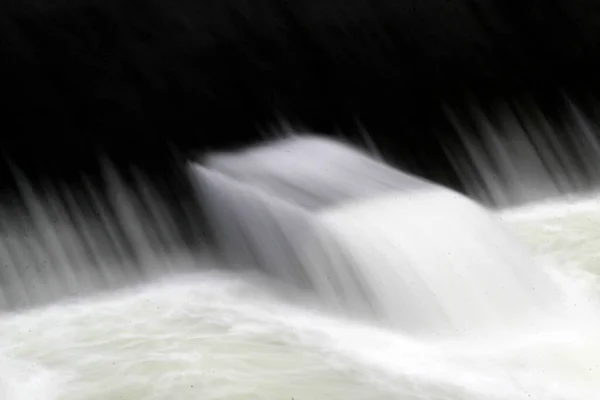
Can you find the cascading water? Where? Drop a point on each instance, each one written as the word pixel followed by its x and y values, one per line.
pixel 462 312
pixel 353 230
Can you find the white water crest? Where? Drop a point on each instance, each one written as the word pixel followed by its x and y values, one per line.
pixel 423 258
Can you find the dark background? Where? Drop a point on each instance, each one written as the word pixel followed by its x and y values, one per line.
pixel 140 80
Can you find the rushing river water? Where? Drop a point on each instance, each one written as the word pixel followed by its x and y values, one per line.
pixel 460 311
pixel 214 335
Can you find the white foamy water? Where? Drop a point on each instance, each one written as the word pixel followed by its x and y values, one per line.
pixel 238 335
pixel 441 265
pixel 224 336
pixel 370 239
pixel 219 336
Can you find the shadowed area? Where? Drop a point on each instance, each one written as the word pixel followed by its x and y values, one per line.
pixel 138 79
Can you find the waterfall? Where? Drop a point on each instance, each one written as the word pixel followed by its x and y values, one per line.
pixel 369 239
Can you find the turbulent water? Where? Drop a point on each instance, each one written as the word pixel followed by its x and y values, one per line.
pixel 219 336
pixel 240 335
pixel 369 239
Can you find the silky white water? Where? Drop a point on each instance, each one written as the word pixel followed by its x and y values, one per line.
pixel 370 239
pixel 225 336
pixel 484 320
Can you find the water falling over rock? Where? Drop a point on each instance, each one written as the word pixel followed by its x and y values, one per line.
pixel 368 238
